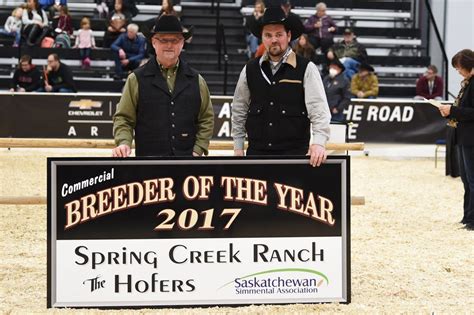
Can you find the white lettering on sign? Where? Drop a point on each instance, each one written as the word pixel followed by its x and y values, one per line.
pixel 225 111
pixel 224 131
pixel 72 131
pixel 352 131
pixel 390 113
pixel 94 131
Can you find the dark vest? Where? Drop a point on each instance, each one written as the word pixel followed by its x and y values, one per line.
pixel 277 117
pixel 166 123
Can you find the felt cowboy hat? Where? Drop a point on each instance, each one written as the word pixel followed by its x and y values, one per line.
pixel 366 66
pixel 337 63
pixel 170 24
pixel 275 15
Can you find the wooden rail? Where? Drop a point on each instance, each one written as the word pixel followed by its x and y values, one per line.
pixel 109 144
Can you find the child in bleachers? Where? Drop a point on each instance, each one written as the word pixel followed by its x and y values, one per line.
pixel 12 26
pixel 85 42
pixel 64 21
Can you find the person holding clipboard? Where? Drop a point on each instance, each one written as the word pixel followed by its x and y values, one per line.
pixel 461 116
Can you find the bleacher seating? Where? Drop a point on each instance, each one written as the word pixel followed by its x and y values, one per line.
pixel 387 30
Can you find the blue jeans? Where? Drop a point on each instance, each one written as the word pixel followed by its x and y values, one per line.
pixel 119 69
pixel 352 66
pixel 252 42
pixel 466 166
pixel 16 34
pixel 85 53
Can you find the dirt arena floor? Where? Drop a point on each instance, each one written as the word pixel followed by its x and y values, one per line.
pixel 409 253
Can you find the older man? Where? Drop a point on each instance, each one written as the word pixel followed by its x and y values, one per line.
pixel 279 95
pixel 165 102
pixel 129 50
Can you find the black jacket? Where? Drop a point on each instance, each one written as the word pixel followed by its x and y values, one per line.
pixel 62 78
pixel 464 114
pixel 338 91
pixel 30 80
pixel 166 121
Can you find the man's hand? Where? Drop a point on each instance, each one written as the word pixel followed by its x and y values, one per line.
pixel 196 154
pixel 334 110
pixel 331 29
pixel 238 152
pixel 12 90
pixel 122 151
pixel 318 24
pixel 124 62
pixel 48 88
pixel 122 54
pixel 360 94
pixel 445 110
pixel 317 155
pixel 330 55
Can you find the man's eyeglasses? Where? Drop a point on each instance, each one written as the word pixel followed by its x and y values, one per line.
pixel 173 41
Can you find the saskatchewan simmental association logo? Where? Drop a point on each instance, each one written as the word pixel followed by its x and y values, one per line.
pixel 280 281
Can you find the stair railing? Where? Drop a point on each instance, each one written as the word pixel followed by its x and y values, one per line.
pixel 443 50
pixel 222 52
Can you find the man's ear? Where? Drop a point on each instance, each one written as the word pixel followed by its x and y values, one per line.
pixel 289 36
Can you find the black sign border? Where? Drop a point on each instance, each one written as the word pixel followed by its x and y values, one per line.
pixel 346 239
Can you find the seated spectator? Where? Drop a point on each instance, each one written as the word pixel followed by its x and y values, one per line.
pixel 35 22
pixel 57 77
pixel 64 22
pixel 52 6
pixel 117 23
pixel 430 85
pixel 250 21
pixel 85 42
pixel 350 52
pixel 12 27
pixel 167 8
pixel 365 84
pixel 320 29
pixel 337 89
pixel 26 78
pixel 286 7
pixel 129 50
pixel 304 48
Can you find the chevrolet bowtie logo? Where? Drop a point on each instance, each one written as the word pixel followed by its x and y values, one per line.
pixel 85 104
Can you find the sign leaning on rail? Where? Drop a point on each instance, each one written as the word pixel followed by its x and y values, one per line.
pixel 220 231
pixel 89 116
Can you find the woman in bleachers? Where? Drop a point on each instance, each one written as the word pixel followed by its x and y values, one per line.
pixel 250 21
pixel 12 26
pixel 35 21
pixel 321 28
pixel 116 24
pixel 304 48
pixel 167 8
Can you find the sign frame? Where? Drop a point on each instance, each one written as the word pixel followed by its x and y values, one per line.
pixel 53 163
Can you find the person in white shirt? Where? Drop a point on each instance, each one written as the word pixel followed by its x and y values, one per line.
pixel 12 26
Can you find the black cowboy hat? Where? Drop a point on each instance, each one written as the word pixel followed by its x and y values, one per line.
pixel 275 15
pixel 169 24
pixel 366 66
pixel 338 63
